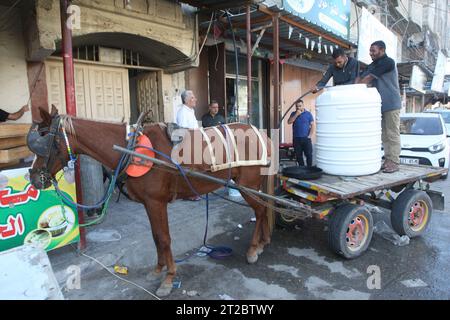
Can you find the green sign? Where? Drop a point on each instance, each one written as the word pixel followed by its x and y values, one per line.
pixel 28 215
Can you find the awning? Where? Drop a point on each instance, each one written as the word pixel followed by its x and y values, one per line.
pixel 293 31
pixel 261 18
pixel 219 4
pixel 405 68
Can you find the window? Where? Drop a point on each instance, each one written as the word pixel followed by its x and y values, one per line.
pixel 420 126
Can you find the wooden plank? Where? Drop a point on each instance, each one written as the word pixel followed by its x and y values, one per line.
pixel 13 154
pixel 348 187
pixel 10 164
pixel 12 142
pixel 13 130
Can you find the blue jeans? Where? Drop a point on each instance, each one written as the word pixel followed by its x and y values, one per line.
pixel 303 146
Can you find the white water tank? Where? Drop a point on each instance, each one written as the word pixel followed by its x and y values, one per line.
pixel 348 122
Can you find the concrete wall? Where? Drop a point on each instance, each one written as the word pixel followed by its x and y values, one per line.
pixel 172 87
pixel 14 91
pixel 159 20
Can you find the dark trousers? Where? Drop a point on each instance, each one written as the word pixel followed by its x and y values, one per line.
pixel 303 146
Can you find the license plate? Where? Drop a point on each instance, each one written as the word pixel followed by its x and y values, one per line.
pixel 409 161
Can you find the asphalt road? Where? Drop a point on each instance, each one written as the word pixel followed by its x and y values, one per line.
pixel 296 265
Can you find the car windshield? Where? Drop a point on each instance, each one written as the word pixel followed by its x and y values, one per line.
pixel 420 126
pixel 445 116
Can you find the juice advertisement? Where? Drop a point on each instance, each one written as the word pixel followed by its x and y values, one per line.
pixel 29 215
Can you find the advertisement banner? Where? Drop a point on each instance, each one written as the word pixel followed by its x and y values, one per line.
pixel 418 79
pixel 372 30
pixel 28 215
pixel 439 73
pixel 333 16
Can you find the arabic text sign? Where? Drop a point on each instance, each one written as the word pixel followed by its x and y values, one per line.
pixel 333 16
pixel 28 215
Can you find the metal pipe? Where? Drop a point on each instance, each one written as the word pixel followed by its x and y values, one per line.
pixel 276 70
pixel 204 176
pixel 69 87
pixel 249 67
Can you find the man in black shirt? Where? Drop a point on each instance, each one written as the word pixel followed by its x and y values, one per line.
pixel 13 116
pixel 344 70
pixel 212 118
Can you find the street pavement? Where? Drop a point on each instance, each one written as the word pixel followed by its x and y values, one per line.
pixel 296 265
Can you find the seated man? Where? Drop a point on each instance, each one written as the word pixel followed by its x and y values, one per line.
pixel 4 115
pixel 186 114
pixel 212 118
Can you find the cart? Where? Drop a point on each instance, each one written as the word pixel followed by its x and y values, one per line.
pixel 346 203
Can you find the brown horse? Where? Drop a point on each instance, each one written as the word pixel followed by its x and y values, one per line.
pixel 154 189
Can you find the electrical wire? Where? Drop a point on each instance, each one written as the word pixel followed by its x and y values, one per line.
pixel 6 13
pixel 195 56
pixel 115 275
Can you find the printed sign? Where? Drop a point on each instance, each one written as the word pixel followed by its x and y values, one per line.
pixel 29 215
pixel 333 16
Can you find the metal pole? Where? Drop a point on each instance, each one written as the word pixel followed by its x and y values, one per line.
pixel 276 70
pixel 69 86
pixel 204 176
pixel 249 66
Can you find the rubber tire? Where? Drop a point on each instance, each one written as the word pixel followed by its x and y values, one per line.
pixel 302 173
pixel 400 211
pixel 339 220
pixel 279 220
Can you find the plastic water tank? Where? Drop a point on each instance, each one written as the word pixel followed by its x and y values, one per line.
pixel 348 133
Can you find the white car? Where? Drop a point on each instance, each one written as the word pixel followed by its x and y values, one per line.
pixel 424 140
pixel 445 114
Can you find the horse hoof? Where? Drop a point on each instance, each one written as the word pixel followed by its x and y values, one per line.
pixel 252 259
pixel 259 251
pixel 154 275
pixel 164 290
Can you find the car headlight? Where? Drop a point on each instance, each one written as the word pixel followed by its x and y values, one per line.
pixel 438 147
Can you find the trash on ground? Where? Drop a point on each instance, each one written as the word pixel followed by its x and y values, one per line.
pixel 239 226
pixel 382 229
pixel 120 269
pixel 203 251
pixel 192 293
pixel 176 284
pixel 103 235
pixel 253 219
pixel 225 297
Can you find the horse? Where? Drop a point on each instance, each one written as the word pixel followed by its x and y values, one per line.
pixel 156 188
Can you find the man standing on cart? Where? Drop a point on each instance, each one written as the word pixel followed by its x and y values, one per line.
pixel 382 74
pixel 303 129
pixel 344 70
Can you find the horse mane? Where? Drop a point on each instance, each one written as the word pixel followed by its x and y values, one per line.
pixel 67 123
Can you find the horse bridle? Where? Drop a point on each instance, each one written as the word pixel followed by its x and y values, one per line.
pixel 42 145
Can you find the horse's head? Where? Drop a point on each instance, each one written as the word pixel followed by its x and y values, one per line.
pixel 46 141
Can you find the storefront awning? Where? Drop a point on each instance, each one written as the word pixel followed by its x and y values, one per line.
pixel 296 34
pixel 219 4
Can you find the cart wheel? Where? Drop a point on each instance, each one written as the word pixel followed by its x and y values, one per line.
pixel 283 220
pixel 350 230
pixel 411 213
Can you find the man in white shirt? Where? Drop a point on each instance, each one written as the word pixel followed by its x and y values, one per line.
pixel 186 114
pixel 186 117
